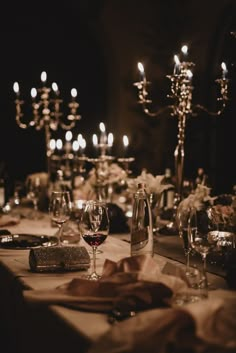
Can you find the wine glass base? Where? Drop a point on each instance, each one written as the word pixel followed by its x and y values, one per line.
pixel 93 277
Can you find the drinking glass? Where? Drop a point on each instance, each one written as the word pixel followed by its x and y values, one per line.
pixel 60 207
pixel 33 193
pixel 94 228
pixel 202 235
pixel 183 215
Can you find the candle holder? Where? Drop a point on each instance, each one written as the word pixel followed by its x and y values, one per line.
pixel 125 162
pixel 182 107
pixel 46 110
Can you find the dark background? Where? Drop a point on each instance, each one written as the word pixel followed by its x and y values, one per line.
pixel 94 46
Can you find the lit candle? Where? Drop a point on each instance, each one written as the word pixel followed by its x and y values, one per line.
pixel 189 75
pixel 83 145
pixel 95 140
pixel 59 144
pixel 68 138
pixel 184 50
pixel 52 145
pixel 177 64
pixel 33 92
pixel 224 70
pixel 73 92
pixel 103 136
pixel 55 88
pixel 16 88
pixel 125 143
pixel 142 71
pixel 75 146
pixel 110 139
pixel 44 76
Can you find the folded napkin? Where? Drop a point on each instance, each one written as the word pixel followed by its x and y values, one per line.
pixel 133 283
pixel 59 258
pixel 7 220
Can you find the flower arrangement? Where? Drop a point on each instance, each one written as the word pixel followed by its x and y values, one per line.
pixel 198 199
pixel 154 184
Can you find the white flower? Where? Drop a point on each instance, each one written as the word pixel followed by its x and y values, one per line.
pixel 153 183
pixel 196 200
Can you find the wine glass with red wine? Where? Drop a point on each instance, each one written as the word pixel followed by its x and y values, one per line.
pixel 94 228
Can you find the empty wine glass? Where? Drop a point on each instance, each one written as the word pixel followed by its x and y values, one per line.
pixel 60 207
pixel 182 216
pixel 94 228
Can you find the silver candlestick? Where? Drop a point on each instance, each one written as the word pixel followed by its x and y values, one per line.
pixel 182 107
pixel 46 110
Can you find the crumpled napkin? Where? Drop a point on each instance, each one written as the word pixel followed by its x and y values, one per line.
pixel 7 220
pixel 133 283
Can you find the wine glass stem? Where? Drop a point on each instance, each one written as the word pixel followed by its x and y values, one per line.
pixel 187 262
pixel 59 234
pixel 204 262
pixel 94 248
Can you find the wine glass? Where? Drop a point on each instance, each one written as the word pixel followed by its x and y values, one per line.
pixel 94 228
pixel 202 234
pixel 33 193
pixel 60 207
pixel 182 217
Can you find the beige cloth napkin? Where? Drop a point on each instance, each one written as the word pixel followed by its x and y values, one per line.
pixel 203 327
pixel 7 221
pixel 133 283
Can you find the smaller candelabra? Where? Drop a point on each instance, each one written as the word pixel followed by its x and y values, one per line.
pixel 46 111
pixel 182 107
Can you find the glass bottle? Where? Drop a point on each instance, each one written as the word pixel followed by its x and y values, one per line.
pixel 141 226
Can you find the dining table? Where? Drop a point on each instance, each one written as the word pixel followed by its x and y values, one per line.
pixel 44 326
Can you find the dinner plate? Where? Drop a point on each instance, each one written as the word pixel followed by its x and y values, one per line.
pixel 26 241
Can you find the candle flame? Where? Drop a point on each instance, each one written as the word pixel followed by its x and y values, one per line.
pixel 140 67
pixel 75 146
pixel 176 59
pixel 74 92
pixel 102 127
pixel 83 143
pixel 189 74
pixel 223 66
pixel 125 141
pixel 110 139
pixel 59 144
pixel 44 76
pixel 68 136
pixel 52 144
pixel 16 87
pixel 184 49
pixel 95 140
pixel 55 87
pixel 33 92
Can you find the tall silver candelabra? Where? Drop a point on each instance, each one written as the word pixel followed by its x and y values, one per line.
pixel 46 111
pixel 182 107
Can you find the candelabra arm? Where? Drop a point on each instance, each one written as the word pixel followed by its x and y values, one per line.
pixel 156 113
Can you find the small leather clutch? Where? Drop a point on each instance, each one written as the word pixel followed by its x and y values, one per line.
pixel 59 258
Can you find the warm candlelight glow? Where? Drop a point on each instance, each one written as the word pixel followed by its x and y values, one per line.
pixel 102 127
pixel 95 140
pixel 177 64
pixel 55 87
pixel 68 136
pixel 82 144
pixel 184 49
pixel 224 69
pixel 52 144
pixel 74 92
pixel 103 136
pixel 125 141
pixel 189 74
pixel 75 146
pixel 33 92
pixel 59 144
pixel 43 76
pixel 16 87
pixel 110 139
pixel 141 68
